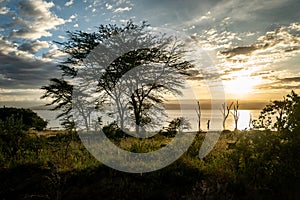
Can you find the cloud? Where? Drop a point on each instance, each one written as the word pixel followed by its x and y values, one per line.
pixel 238 51
pixel 266 58
pixel 21 69
pixel 33 47
pixel 274 46
pixel 34 20
pixel 54 53
pixel 4 10
pixel 69 3
pixel 246 10
pixel 108 6
pixel 242 16
pixel 19 72
pixel 73 16
pixel 290 79
pixel 10 96
pixel 118 10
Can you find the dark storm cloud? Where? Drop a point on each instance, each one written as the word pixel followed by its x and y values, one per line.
pixel 17 72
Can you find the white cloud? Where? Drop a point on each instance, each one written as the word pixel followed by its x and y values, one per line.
pixel 69 3
pixel 34 20
pixel 4 10
pixel 295 26
pixel 108 6
pixel 76 26
pixel 73 16
pixel 122 9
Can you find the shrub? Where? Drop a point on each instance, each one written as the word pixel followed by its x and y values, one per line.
pixel 176 125
pixel 112 131
pixel 26 117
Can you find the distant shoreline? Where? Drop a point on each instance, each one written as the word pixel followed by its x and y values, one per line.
pixel 169 104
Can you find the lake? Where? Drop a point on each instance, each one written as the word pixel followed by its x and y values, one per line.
pixel 191 115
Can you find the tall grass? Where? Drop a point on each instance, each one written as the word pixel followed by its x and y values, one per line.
pixel 245 164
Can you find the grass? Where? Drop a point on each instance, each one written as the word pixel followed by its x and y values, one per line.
pixel 242 165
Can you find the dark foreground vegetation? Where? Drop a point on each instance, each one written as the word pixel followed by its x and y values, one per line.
pixel 243 165
pixel 255 164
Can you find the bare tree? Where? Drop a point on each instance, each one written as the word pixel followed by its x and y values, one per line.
pixel 236 115
pixel 198 111
pixel 250 121
pixel 225 112
pixel 208 124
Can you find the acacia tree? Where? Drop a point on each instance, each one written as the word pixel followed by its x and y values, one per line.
pixel 60 90
pixel 141 92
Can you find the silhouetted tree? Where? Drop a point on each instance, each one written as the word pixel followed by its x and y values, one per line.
pixel 160 56
pixel 281 115
pixel 198 111
pixel 236 115
pixel 60 91
pixel 225 110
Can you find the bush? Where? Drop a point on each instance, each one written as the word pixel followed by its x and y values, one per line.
pixel 112 131
pixel 266 161
pixel 11 135
pixel 176 125
pixel 26 117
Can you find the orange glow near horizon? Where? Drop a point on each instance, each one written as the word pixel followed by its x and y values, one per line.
pixel 241 86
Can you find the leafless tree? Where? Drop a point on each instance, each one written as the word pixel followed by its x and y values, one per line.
pixel 250 121
pixel 225 112
pixel 236 115
pixel 198 111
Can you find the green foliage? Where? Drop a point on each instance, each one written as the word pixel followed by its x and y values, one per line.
pixel 265 161
pixel 24 118
pixel 281 115
pixel 243 165
pixel 113 132
pixel 138 47
pixel 259 164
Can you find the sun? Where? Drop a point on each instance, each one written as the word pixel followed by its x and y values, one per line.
pixel 241 86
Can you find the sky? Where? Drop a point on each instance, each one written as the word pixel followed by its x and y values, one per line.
pixel 254 45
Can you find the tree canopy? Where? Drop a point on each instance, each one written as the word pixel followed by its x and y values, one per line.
pixel 129 67
pixel 26 117
pixel 281 115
